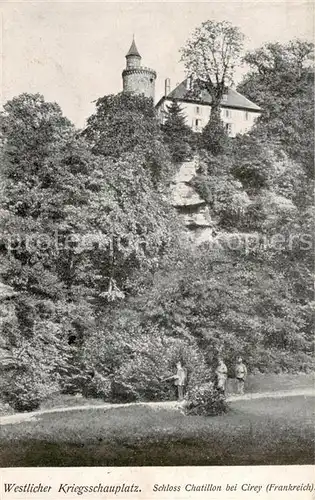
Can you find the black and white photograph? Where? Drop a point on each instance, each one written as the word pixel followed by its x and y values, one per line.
pixel 157 240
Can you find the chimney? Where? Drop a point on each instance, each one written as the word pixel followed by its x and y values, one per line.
pixel 188 83
pixel 167 86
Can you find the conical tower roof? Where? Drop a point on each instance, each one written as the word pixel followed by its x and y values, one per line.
pixel 133 51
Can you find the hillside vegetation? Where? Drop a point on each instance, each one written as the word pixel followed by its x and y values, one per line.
pixel 102 295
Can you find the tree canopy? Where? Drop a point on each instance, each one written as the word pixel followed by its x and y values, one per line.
pixel 210 56
pixel 177 134
pixel 127 123
pixel 76 226
pixel 281 81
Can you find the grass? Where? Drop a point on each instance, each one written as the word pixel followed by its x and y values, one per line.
pixel 279 382
pixel 66 401
pixel 256 432
pixel 273 382
pixel 254 384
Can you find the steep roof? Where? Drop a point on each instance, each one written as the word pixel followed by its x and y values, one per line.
pixel 133 51
pixel 234 98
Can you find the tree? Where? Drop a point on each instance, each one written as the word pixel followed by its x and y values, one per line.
pixel 76 226
pixel 101 217
pixel 281 81
pixel 130 207
pixel 177 134
pixel 233 298
pixel 214 137
pixel 135 220
pixel 127 123
pixel 210 56
pixel 273 59
pixel 46 169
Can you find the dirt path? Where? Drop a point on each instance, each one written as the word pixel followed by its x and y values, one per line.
pixel 24 417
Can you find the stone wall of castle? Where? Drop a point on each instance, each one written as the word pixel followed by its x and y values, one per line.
pixel 140 81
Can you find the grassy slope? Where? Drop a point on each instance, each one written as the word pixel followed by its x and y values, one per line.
pixel 254 384
pixel 253 432
pixel 279 382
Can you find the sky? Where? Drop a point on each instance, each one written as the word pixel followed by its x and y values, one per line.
pixel 74 52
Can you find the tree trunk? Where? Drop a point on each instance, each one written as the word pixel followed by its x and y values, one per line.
pixel 215 116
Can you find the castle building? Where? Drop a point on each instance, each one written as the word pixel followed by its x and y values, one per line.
pixel 137 78
pixel 237 112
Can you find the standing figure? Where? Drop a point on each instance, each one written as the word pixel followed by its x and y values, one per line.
pixel 240 374
pixel 221 375
pixel 180 379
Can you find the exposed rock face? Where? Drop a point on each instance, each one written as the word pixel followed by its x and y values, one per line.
pixel 191 207
pixel 185 196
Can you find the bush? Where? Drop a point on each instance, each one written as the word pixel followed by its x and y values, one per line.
pixel 205 400
pixel 98 387
pixel 74 377
pixel 27 391
pixel 214 137
pixel 74 383
pixel 141 376
pixel 31 367
pixel 124 392
pixel 137 361
pixel 280 361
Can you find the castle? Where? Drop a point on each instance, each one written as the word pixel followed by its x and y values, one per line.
pixel 237 112
pixel 137 78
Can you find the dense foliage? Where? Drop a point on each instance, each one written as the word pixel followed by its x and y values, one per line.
pixel 210 56
pixel 137 355
pixel 125 124
pixel 213 137
pixel 281 81
pixel 105 295
pixel 76 226
pixel 177 134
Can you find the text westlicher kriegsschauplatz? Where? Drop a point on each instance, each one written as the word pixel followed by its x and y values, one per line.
pixel 65 489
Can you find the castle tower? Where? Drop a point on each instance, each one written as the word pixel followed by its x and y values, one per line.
pixel 137 78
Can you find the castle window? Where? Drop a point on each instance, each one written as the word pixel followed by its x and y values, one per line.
pixel 224 98
pixel 228 128
pixel 246 115
pixel 227 113
pixel 197 123
pixel 198 110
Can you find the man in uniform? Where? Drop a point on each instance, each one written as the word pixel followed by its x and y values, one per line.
pixel 240 374
pixel 179 380
pixel 221 375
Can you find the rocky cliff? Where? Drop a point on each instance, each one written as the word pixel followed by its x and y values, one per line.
pixel 191 207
